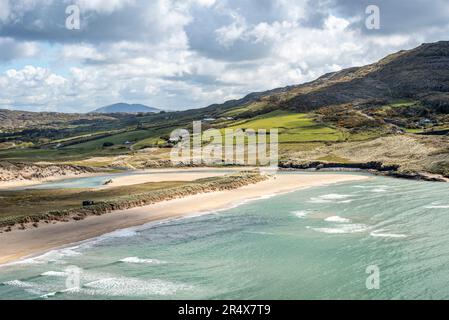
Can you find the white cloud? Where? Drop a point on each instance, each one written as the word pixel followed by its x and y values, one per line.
pixel 11 49
pixel 103 6
pixel 4 10
pixel 81 52
pixel 177 54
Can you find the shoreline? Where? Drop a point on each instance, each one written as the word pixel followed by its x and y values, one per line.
pixel 21 244
pixel 122 178
pixel 14 184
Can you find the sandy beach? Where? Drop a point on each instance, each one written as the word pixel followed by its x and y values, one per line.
pixel 20 244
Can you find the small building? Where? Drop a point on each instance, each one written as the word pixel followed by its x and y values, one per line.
pixel 425 122
pixel 174 139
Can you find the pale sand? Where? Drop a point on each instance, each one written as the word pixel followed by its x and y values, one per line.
pixel 19 244
pixel 5 185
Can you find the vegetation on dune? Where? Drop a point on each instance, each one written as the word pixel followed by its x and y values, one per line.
pixel 31 207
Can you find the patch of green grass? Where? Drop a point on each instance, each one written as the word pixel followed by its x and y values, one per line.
pixel 400 104
pixel 414 130
pixel 255 106
pixel 34 155
pixel 118 139
pixel 293 127
pixel 89 135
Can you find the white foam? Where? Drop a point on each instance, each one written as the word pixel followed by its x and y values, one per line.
pixel 437 207
pixel 262 233
pixel 335 196
pixel 318 200
pixel 131 287
pixel 141 261
pixel 54 274
pixel 332 198
pixel 48 295
pixel 301 213
pixel 382 234
pixel 55 256
pixel 343 229
pixel 337 219
pixel 122 233
pixel 18 284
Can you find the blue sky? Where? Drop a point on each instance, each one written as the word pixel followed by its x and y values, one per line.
pixel 179 54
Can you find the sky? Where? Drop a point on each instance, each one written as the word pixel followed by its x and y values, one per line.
pixel 182 54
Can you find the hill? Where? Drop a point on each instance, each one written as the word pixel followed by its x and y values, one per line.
pixel 126 108
pixel 14 119
pixel 350 116
pixel 419 74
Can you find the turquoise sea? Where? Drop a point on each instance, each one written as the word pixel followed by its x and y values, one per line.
pixel 310 244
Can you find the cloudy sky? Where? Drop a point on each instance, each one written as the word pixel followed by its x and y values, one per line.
pixel 179 54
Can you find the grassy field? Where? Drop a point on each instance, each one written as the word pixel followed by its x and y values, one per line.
pixel 118 139
pixel 293 127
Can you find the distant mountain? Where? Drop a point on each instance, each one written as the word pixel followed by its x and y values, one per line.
pixel 126 108
pixel 20 120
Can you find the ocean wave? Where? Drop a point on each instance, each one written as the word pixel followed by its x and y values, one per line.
pixel 55 256
pixel 262 233
pixel 335 196
pixel 131 287
pixel 122 233
pixel 343 229
pixel 437 207
pixel 137 260
pixel 18 284
pixel 374 188
pixel 54 274
pixel 337 219
pixel 301 213
pixel 382 234
pixel 332 198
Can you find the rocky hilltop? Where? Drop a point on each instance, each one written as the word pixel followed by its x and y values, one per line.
pixel 419 74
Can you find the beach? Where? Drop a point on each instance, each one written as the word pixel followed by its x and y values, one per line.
pixel 24 243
